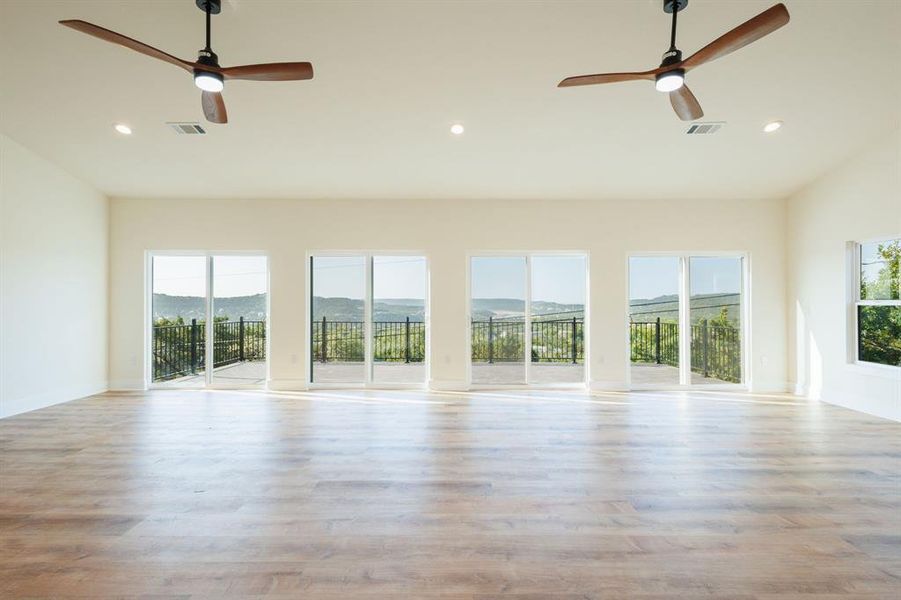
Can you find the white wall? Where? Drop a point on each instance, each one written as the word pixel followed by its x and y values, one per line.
pixel 446 231
pixel 860 200
pixel 53 283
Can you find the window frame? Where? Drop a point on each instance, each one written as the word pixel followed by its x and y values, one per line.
pixel 854 301
pixel 527 318
pixel 747 364
pixel 208 256
pixel 369 382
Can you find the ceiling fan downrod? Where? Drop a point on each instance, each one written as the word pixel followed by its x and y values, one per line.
pixel 208 80
pixel 673 55
pixel 209 7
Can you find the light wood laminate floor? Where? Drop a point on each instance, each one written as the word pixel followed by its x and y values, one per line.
pixel 519 495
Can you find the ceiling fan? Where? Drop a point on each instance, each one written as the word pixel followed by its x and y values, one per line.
pixel 208 75
pixel 670 75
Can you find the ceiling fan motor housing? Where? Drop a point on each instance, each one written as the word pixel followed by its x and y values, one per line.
pixel 668 5
pixel 671 57
pixel 208 57
pixel 214 6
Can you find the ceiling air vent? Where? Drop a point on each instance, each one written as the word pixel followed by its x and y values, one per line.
pixel 704 128
pixel 187 128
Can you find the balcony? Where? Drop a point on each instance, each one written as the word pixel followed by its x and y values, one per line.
pixel 557 351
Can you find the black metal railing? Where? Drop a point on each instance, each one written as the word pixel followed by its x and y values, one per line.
pixel 498 340
pixel 655 342
pixel 392 341
pixel 715 349
pixel 338 341
pixel 398 341
pixel 180 350
pixel 553 340
pixel 494 340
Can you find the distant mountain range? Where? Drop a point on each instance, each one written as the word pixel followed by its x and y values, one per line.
pixel 253 308
pixel 703 306
pixel 346 309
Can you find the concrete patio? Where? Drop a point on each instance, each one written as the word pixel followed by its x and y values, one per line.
pixel 253 373
pixel 649 374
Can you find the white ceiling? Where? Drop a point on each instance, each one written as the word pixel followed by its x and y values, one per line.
pixel 391 77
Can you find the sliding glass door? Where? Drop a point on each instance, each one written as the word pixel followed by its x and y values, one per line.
pixel 368 319
pixel 337 350
pixel 685 320
pixel 178 302
pixel 399 285
pixel 239 308
pixel 715 315
pixel 527 319
pixel 208 311
pixel 498 308
pixel 654 291
pixel 557 309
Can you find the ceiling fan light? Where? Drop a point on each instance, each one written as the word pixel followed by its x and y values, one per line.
pixel 670 81
pixel 208 81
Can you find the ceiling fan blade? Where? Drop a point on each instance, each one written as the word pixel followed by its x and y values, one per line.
pixel 118 38
pixel 214 107
pixel 289 71
pixel 606 78
pixel 685 104
pixel 750 31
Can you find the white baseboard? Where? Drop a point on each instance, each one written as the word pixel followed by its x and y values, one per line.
pixel 882 408
pixel 17 406
pixel 799 389
pixel 601 385
pixel 772 387
pixel 127 385
pixel 448 385
pixel 287 385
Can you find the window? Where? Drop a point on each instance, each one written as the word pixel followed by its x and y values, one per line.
pixel 399 285
pixel 686 320
pixel 338 310
pixel 527 321
pixel 654 312
pixel 498 309
pixel 715 286
pixel 368 317
pixel 877 295
pixel 208 310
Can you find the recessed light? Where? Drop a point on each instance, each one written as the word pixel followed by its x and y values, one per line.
pixel 772 126
pixel 123 128
pixel 457 129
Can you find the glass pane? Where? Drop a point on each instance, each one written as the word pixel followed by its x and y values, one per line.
pixel 498 319
pixel 240 286
pixel 339 289
pixel 179 314
pixel 398 319
pixel 654 320
pixel 715 315
pixel 880 270
pixel 558 319
pixel 879 334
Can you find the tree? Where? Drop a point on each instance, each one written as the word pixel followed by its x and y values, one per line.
pixel 879 326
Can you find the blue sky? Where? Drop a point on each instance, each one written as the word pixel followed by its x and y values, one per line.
pixel 554 278
pixel 558 279
pixel 232 275
pixel 653 276
pixel 392 277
